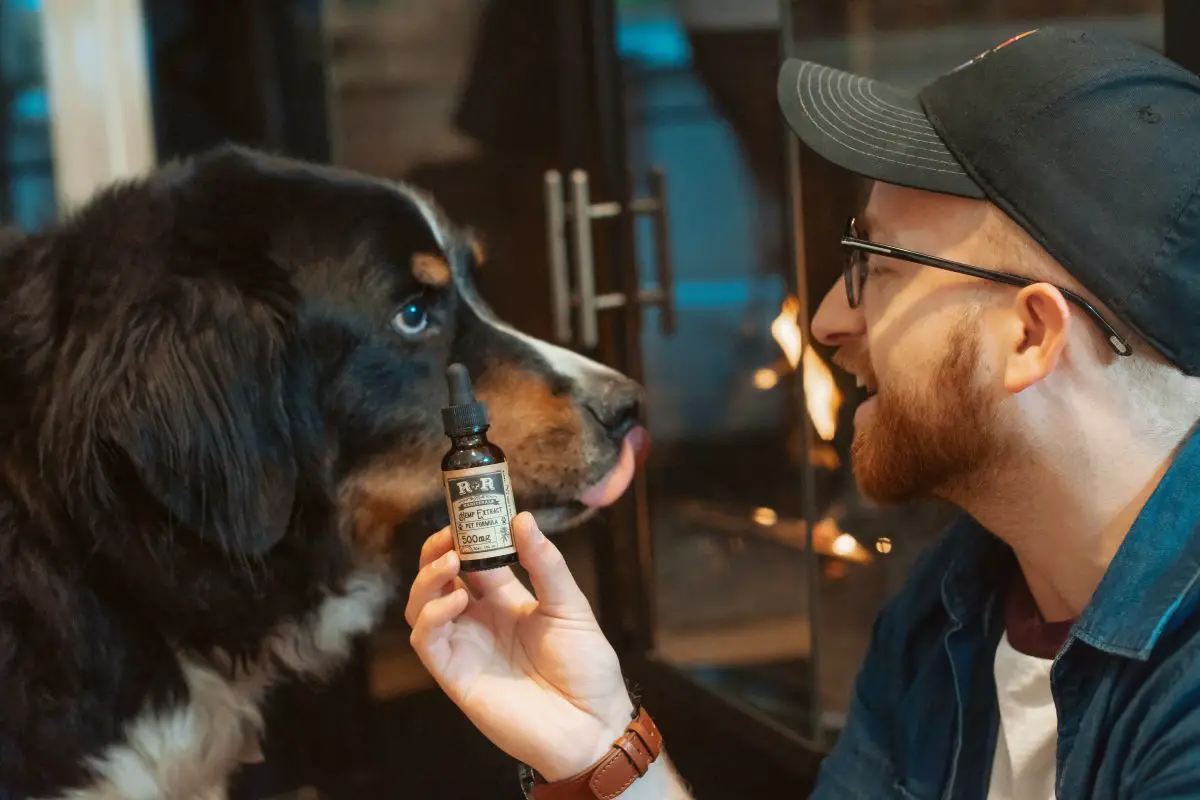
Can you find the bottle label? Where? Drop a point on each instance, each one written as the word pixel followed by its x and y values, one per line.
pixel 481 511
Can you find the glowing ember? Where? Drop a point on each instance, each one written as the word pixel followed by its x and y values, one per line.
pixel 844 545
pixel 830 539
pixel 883 545
pixel 765 517
pixel 766 379
pixel 835 570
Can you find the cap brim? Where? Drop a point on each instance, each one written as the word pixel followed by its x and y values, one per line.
pixel 869 128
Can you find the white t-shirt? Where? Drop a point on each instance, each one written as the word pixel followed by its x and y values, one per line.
pixel 1027 742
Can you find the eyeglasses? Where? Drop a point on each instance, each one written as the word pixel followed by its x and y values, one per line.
pixel 855 275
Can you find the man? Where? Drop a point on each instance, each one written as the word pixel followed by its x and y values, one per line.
pixel 1021 301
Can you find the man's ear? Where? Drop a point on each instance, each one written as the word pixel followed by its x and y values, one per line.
pixel 202 420
pixel 1044 319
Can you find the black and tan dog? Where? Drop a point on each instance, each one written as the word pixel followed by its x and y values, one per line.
pixel 219 394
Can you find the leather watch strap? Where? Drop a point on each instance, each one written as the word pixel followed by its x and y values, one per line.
pixel 631 755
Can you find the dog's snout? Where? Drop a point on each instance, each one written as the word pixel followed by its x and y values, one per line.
pixel 617 405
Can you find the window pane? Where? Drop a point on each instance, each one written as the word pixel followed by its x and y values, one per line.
pixel 723 398
pixel 26 165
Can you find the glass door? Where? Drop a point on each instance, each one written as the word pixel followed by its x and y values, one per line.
pixel 725 514
pixel 710 557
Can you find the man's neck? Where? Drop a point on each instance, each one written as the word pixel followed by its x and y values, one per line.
pixel 1066 516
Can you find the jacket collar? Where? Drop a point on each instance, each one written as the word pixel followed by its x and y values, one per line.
pixel 980 566
pixel 1150 586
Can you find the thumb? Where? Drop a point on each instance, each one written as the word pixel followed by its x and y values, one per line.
pixel 555 586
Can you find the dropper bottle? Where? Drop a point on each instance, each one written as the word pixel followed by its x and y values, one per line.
pixel 475 477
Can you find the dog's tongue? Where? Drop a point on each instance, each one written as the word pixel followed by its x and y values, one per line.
pixel 634 450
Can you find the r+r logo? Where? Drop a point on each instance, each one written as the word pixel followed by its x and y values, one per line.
pixel 487 484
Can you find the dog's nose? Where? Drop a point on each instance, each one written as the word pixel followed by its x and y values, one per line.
pixel 617 406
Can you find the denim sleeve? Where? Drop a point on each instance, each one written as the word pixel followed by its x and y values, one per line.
pixel 863 763
pixel 859 765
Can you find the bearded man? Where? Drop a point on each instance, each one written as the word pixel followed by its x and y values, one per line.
pixel 1021 299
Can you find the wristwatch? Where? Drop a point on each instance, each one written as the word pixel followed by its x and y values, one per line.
pixel 627 760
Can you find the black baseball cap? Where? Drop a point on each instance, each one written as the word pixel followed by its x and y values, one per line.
pixel 1087 140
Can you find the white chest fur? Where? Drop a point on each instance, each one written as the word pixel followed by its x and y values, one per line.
pixel 189 751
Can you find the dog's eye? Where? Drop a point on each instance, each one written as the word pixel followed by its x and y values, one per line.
pixel 413 316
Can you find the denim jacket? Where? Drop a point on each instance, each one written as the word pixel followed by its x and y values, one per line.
pixel 923 720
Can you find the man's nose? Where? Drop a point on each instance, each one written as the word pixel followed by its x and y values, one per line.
pixel 836 322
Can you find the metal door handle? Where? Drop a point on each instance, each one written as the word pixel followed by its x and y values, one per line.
pixel 556 248
pixel 585 263
pixel 582 212
pixel 664 294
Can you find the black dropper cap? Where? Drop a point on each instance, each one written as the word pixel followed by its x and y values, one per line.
pixel 464 414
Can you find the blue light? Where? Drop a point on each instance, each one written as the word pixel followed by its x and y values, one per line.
pixel 31 104
pixel 735 293
pixel 653 41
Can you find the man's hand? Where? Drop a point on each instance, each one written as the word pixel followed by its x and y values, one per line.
pixel 535 675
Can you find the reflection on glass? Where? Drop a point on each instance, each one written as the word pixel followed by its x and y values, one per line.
pixel 907 44
pixel 724 402
pixel 397 76
pixel 26 166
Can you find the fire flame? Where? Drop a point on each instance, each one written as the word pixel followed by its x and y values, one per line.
pixel 787 331
pixel 820 391
pixel 821 394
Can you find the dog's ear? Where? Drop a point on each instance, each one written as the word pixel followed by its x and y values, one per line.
pixel 203 420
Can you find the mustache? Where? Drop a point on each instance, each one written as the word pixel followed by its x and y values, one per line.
pixel 856 362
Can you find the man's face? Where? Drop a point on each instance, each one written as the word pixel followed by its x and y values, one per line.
pixel 930 426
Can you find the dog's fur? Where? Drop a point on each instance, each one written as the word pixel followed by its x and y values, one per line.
pixel 209 429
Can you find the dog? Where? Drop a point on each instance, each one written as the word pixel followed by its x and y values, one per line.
pixel 221 393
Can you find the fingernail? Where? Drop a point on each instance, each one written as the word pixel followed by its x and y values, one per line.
pixel 537 535
pixel 449 559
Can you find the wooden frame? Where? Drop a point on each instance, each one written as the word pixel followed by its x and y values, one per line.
pixel 96 76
